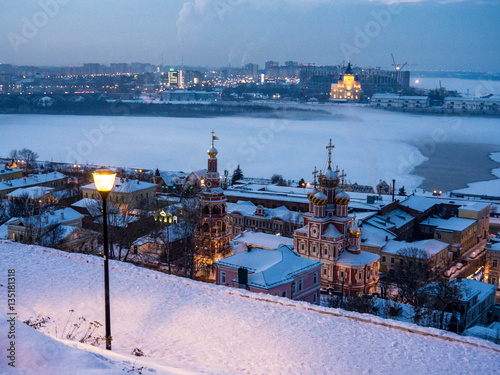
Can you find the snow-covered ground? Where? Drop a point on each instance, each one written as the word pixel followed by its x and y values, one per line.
pixel 189 327
pixel 370 144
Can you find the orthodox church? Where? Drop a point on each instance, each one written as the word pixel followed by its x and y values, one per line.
pixel 331 236
pixel 211 233
pixel 348 86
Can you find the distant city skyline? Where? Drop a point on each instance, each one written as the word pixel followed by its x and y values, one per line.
pixel 428 34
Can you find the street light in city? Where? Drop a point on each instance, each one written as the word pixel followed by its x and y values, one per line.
pixel 104 179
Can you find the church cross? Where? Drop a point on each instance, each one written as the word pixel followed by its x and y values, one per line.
pixel 315 172
pixel 330 147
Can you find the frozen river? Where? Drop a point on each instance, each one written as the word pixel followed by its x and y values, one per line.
pixel 370 144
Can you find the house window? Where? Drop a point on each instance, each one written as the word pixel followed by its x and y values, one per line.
pixel 284 293
pixel 401 261
pixel 302 246
pixel 325 251
pixel 293 287
pixel 494 263
pixel 438 236
pixel 223 277
pixel 383 258
pixel 392 260
pixel 315 278
pixel 300 285
pixel 324 271
pixel 315 298
pixel 314 249
pixel 342 274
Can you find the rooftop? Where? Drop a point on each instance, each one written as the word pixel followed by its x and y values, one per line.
pixel 270 268
pixel 262 240
pixel 125 186
pixel 451 224
pixel 419 203
pixel 431 247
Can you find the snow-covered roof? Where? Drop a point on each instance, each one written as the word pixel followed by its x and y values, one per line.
pixel 5 171
pixel 374 235
pixel 170 234
pixel 31 180
pixel 361 259
pixel 395 218
pixel 419 203
pixel 266 195
pixel 262 240
pixel 247 208
pixel 33 192
pixel 94 206
pixel 474 287
pixel 476 206
pixel 431 246
pixel 332 231
pixel 125 186
pixel 171 178
pixel 62 216
pixel 270 268
pixel 451 224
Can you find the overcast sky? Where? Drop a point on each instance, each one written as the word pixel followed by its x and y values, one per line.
pixel 428 34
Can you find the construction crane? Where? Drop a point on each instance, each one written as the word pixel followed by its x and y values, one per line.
pixel 397 67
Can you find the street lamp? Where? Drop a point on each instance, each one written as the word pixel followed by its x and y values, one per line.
pixel 104 179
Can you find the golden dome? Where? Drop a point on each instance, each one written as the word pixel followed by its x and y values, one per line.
pixel 212 152
pixel 354 230
pixel 329 179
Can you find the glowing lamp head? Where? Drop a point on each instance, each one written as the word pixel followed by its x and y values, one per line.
pixel 104 180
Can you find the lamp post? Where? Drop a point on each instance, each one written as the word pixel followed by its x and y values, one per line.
pixel 104 179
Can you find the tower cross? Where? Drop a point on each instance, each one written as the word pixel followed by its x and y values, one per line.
pixel 213 138
pixel 342 175
pixel 315 172
pixel 329 148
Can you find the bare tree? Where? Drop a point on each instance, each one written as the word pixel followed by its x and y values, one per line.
pixel 189 214
pixel 411 275
pixel 445 295
pixel 28 156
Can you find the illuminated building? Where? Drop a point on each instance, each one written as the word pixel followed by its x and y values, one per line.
pixel 348 86
pixel 211 234
pixel 330 236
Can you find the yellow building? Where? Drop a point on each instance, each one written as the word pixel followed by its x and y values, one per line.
pixel 348 87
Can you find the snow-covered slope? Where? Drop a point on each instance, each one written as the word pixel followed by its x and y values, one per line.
pixel 185 326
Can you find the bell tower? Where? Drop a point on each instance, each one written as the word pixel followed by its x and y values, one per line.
pixel 211 234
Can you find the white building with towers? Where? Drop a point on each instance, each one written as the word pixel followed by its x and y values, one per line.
pixel 331 236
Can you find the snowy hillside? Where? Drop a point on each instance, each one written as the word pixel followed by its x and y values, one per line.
pixel 190 327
